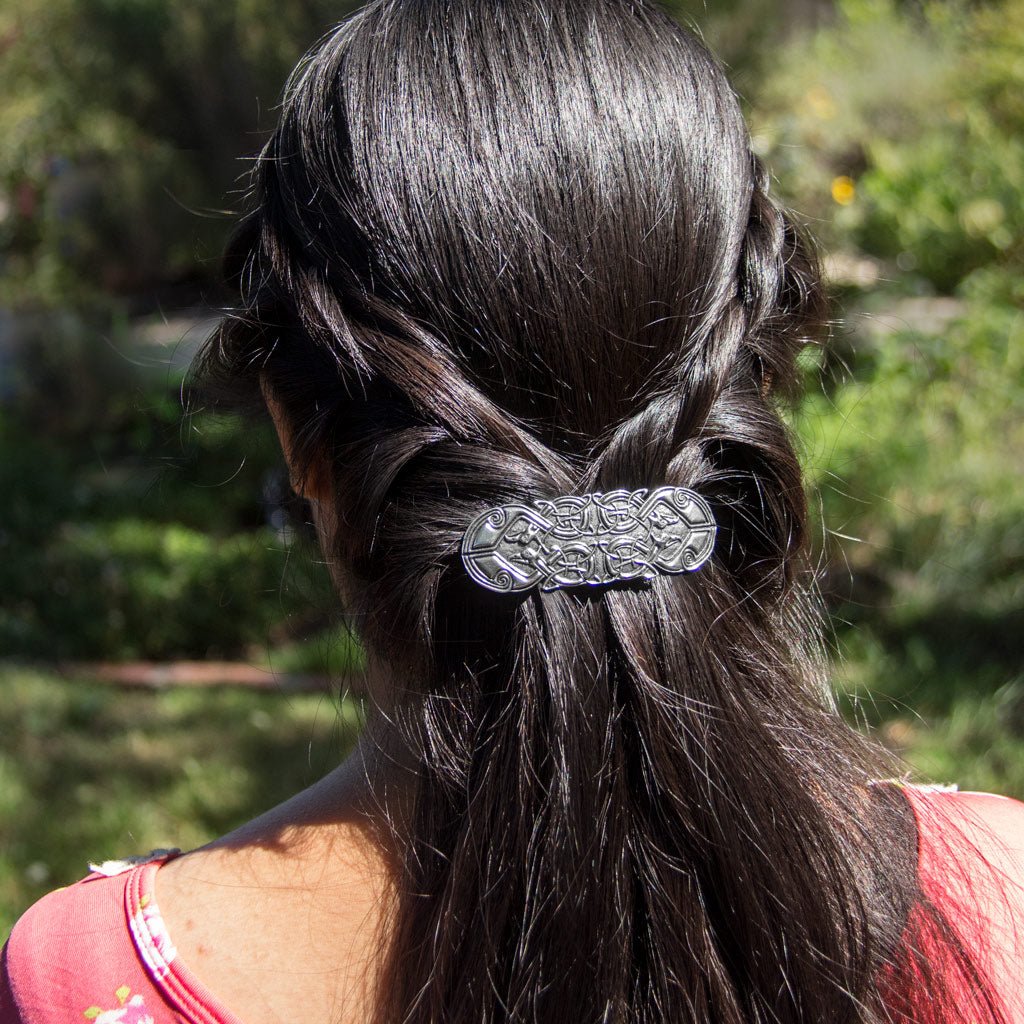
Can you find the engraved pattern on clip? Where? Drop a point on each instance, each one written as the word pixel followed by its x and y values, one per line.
pixel 589 539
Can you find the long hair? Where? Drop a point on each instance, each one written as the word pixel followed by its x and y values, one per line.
pixel 503 250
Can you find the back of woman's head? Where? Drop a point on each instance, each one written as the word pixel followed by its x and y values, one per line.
pixel 510 250
pixel 533 253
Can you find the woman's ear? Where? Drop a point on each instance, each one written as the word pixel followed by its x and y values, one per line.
pixel 313 485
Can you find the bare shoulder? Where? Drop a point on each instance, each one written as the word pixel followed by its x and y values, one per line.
pixel 273 902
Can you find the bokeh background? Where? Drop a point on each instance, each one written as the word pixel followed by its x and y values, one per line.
pixel 166 631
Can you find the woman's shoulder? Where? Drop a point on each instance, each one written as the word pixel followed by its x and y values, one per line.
pixel 72 955
pixel 251 912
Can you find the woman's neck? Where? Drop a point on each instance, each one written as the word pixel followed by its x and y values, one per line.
pixel 306 889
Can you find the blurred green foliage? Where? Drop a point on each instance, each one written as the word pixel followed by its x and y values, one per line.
pixel 145 589
pixel 130 531
pixel 918 460
pixel 118 117
pixel 898 131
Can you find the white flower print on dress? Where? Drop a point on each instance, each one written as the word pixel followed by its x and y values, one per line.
pixel 132 1010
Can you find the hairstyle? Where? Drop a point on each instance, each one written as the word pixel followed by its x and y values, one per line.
pixel 508 250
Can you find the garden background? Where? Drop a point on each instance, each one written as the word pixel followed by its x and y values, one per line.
pixel 130 533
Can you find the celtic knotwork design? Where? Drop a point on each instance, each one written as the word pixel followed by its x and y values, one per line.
pixel 589 539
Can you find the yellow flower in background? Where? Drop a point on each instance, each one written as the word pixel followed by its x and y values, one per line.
pixel 844 191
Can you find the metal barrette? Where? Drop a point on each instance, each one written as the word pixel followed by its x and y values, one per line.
pixel 589 539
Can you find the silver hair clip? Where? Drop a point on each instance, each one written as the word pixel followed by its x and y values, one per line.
pixel 589 538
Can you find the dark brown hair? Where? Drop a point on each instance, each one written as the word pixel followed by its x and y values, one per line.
pixel 502 250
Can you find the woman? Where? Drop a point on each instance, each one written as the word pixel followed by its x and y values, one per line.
pixel 515 294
